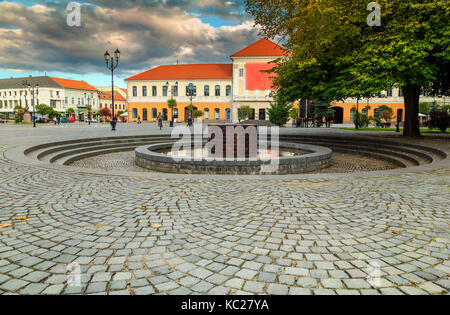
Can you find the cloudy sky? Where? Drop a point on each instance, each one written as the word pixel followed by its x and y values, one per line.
pixel 35 37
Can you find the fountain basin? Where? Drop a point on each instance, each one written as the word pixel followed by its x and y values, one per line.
pixel 154 157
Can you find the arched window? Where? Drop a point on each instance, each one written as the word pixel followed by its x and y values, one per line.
pixel 217 114
pixel 217 89
pixel 206 115
pixel 365 111
pixel 134 112
pixel 228 90
pixel 154 113
pixel 206 90
pixel 228 114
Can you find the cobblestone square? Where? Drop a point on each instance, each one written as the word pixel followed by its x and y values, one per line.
pixel 383 232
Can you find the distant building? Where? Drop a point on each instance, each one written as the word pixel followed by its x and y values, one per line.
pixel 120 102
pixel 61 94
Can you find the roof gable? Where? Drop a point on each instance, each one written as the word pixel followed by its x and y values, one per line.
pixel 261 48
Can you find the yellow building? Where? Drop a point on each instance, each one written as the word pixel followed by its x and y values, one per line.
pixel 219 88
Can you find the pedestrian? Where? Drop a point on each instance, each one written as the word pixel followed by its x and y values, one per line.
pixel 139 120
pixel 113 123
pixel 160 124
pixel 58 119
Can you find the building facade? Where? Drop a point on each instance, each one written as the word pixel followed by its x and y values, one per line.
pixel 221 89
pixel 61 94
pixel 120 102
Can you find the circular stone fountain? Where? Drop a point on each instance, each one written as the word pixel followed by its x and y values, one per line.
pixel 197 158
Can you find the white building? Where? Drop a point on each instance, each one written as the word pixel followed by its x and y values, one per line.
pixel 61 94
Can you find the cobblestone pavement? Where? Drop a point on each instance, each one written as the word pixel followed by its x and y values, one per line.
pixel 130 235
pixel 340 163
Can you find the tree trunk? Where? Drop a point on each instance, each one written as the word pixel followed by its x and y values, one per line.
pixel 411 94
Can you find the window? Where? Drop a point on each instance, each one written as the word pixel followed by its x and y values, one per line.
pixel 51 93
pixel 154 113
pixel 377 113
pixel 217 114
pixel 154 91
pixel 175 90
pixel 241 72
pixel 217 90
pixel 134 112
pixel 134 90
pixel 206 90
pixel 144 91
pixel 400 92
pixel 206 113
pixel 165 90
pixel 365 111
pixel 194 93
pixel 228 90
pixel 73 100
pixel 352 114
pixel 175 113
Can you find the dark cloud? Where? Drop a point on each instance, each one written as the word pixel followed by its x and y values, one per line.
pixel 148 33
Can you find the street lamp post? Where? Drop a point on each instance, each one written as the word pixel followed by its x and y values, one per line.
pixel 111 65
pixel 32 89
pixel 171 97
pixel 191 94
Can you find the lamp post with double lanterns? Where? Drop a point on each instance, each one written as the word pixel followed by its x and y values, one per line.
pixel 191 93
pixel 111 65
pixel 32 89
pixel 171 97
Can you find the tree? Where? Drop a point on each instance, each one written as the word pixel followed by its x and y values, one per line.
pixel 439 119
pixel 171 103
pixel 70 111
pixel 386 112
pixel 105 112
pixel 338 54
pixel 244 112
pixel 323 111
pixel 279 113
pixel 198 113
pixel 294 113
pixel 43 109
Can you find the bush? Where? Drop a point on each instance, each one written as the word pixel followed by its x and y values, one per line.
pixel 279 113
pixel 439 119
pixel 363 120
pixel 198 113
pixel 244 112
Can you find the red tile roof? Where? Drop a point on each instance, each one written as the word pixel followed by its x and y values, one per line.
pixel 261 48
pixel 107 96
pixel 199 71
pixel 74 84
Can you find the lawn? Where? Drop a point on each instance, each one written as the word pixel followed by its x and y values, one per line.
pixel 422 130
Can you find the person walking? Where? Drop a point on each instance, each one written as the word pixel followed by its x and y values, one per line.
pixel 114 123
pixel 139 120
pixel 160 123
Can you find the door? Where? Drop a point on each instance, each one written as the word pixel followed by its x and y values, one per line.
pixel 338 115
pixel 144 114
pixel 164 115
pixel 252 115
pixel 228 114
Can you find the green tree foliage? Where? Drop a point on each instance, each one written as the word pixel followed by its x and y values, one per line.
pixel 336 54
pixel 279 113
pixel 439 119
pixel 70 111
pixel 322 111
pixel 198 113
pixel 294 113
pixel 424 108
pixel 244 112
